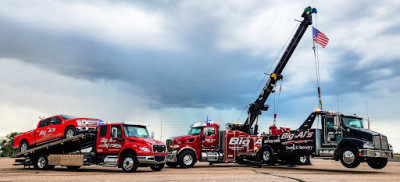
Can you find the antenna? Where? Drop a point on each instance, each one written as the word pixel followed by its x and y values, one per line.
pixel 338 108
pixel 366 105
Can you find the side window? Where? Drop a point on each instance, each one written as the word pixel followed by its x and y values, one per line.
pixel 209 131
pixel 330 123
pixel 103 131
pixel 119 131
pixel 44 123
pixel 56 120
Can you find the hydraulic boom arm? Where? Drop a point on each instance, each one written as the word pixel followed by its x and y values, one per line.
pixel 258 105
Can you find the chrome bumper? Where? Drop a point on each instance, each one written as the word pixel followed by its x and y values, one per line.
pixel 86 129
pixel 151 160
pixel 376 153
pixel 171 157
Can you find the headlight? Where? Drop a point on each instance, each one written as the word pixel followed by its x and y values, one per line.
pixel 145 149
pixel 368 145
pixel 175 147
pixel 81 122
pixel 390 147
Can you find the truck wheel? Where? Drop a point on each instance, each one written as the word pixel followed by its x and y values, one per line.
pixel 41 163
pixel 172 164
pixel 267 156
pixel 73 168
pixel 70 132
pixel 377 163
pixel 129 163
pixel 24 146
pixel 186 159
pixel 349 157
pixel 157 167
pixel 304 160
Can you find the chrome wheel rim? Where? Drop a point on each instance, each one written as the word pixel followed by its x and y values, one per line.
pixel 70 133
pixel 128 163
pixel 266 155
pixel 348 157
pixel 303 159
pixel 24 147
pixel 41 162
pixel 188 159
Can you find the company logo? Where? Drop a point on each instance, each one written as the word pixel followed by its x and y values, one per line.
pixel 49 130
pixel 211 140
pixel 109 143
pixel 302 134
pixel 239 141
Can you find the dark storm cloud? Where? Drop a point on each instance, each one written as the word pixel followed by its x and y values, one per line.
pixel 203 78
pixel 200 76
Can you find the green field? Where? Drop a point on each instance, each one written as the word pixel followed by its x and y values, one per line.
pixel 396 155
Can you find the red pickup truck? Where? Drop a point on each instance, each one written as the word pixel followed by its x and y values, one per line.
pixel 54 128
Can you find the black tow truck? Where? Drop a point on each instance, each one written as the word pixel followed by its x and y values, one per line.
pixel 335 136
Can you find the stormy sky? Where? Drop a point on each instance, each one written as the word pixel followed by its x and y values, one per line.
pixel 172 63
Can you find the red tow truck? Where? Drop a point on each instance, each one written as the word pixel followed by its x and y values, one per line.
pixel 54 128
pixel 125 145
pixel 207 143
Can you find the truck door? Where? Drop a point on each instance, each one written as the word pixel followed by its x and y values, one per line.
pixel 210 137
pixel 56 127
pixel 332 131
pixel 105 143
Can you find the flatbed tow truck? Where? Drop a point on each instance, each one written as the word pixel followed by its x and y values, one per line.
pixel 125 145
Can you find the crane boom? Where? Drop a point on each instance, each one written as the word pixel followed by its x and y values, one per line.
pixel 258 105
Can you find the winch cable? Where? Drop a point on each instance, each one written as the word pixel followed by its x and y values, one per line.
pixel 316 60
pixel 269 69
pixel 277 104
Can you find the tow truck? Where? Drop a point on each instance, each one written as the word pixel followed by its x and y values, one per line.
pixel 125 145
pixel 347 141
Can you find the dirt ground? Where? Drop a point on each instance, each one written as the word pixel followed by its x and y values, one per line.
pixel 320 170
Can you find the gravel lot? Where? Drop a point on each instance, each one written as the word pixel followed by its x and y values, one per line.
pixel 321 170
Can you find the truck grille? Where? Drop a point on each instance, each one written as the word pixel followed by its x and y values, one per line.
pixel 159 158
pixel 158 148
pixel 169 145
pixel 380 142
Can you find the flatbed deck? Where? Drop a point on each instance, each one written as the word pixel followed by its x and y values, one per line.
pixel 63 146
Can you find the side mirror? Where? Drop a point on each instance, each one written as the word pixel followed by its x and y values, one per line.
pixel 336 122
pixel 202 137
pixel 114 133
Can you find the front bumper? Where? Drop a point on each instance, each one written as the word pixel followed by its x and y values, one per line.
pixel 81 129
pixel 376 153
pixel 158 159
pixel 171 157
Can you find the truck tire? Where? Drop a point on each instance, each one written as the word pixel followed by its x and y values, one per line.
pixel 186 159
pixel 73 168
pixel 24 146
pixel 172 164
pixel 129 163
pixel 266 156
pixel 304 160
pixel 377 163
pixel 42 163
pixel 349 157
pixel 70 131
pixel 157 167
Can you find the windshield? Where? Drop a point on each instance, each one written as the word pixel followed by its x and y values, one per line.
pixel 136 131
pixel 66 117
pixel 352 122
pixel 195 131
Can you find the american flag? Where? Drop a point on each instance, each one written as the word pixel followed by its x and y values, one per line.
pixel 319 37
